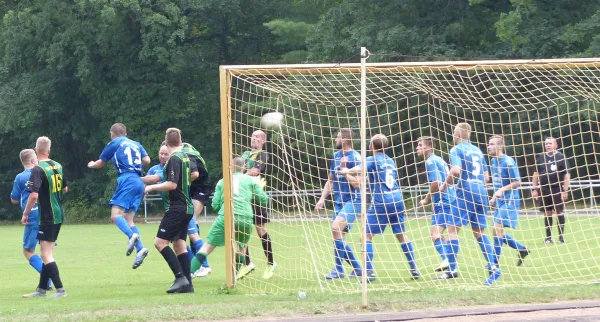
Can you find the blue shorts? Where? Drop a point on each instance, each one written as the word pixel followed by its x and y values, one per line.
pixel 192 227
pixel 507 214
pixel 30 237
pixel 348 210
pixel 129 193
pixel 474 212
pixel 446 214
pixel 379 216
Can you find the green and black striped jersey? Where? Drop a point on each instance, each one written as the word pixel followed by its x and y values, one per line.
pixel 178 169
pixel 196 158
pixel 47 180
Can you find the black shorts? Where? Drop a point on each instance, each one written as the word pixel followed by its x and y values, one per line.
pixel 199 192
pixel 551 200
pixel 48 232
pixel 261 215
pixel 174 225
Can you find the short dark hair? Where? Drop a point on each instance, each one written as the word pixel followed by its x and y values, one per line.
pixel 346 133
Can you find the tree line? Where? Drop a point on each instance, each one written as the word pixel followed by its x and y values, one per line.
pixel 70 69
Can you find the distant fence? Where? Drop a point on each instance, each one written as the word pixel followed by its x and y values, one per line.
pixel 413 191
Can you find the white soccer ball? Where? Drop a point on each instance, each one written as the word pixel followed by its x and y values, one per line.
pixel 302 295
pixel 271 120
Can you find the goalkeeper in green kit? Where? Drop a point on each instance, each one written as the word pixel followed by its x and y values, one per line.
pixel 245 190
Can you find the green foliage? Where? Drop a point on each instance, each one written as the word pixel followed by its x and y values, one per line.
pixel 70 69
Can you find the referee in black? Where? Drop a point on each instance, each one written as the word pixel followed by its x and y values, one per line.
pixel 551 183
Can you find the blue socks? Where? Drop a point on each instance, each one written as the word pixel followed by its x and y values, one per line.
pixel 498 241
pixel 513 243
pixel 191 254
pixel 506 239
pixel 351 258
pixel 440 246
pixel 123 226
pixel 408 250
pixel 198 245
pixel 36 262
pixel 452 252
pixel 487 249
pixel 339 253
pixel 138 244
pixel 370 255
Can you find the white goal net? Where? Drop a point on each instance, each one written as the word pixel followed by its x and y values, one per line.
pixel 524 101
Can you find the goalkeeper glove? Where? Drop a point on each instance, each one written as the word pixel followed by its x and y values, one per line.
pixel 261 182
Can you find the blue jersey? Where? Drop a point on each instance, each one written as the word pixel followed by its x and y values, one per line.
pixel 383 179
pixel 505 171
pixel 20 191
pixel 126 155
pixel 438 170
pixel 342 190
pixel 157 170
pixel 471 184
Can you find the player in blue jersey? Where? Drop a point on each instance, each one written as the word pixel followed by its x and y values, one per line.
pixel 163 156
pixel 506 199
pixel 469 166
pixel 445 212
pixel 18 196
pixel 346 198
pixel 128 157
pixel 387 204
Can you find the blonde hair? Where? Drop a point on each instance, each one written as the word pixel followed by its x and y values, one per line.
pixel 465 130
pixel 498 137
pixel 428 140
pixel 173 137
pixel 26 156
pixel 43 144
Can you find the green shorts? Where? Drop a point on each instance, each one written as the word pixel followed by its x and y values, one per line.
pixel 216 234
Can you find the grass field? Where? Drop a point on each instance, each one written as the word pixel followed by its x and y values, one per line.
pixel 102 285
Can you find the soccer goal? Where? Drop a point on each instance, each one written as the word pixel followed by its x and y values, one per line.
pixel 525 101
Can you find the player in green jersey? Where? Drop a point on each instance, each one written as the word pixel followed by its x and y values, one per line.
pixel 47 186
pixel 246 189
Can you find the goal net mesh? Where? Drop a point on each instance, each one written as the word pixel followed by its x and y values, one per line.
pixel 523 101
